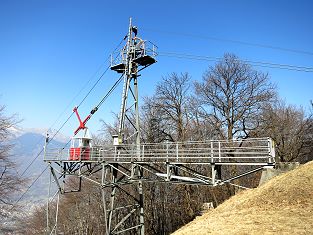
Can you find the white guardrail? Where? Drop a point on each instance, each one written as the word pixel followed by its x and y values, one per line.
pixel 256 150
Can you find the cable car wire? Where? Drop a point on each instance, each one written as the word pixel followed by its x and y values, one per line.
pixel 110 91
pixel 61 114
pixel 50 128
pixel 88 93
pixel 27 189
pixel 95 109
pixel 98 106
pixel 40 152
pixel 255 63
pixel 85 85
pixel 232 41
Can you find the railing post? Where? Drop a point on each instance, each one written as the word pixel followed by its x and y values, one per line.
pixel 212 153
pixel 219 151
pixel 45 146
pixel 271 150
pixel 177 152
pixel 115 151
pixel 167 151
pixel 143 152
pixel 168 172
pixel 60 154
pixel 213 170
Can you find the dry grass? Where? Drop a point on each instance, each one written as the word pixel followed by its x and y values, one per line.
pixel 283 205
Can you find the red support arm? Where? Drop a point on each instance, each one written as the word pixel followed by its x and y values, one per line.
pixel 81 123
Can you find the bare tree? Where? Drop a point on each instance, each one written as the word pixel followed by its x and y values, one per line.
pixel 231 96
pixel 154 128
pixel 291 130
pixel 167 115
pixel 78 213
pixel 10 182
pixel 169 106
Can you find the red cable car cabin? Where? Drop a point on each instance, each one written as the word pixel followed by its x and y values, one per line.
pixel 81 145
pixel 80 148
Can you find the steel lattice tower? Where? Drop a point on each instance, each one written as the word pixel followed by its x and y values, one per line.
pixel 134 56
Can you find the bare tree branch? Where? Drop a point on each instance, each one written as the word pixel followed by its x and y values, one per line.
pixel 234 93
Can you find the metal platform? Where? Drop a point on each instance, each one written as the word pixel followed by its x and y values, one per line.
pixel 120 68
pixel 143 54
pixel 170 162
pixel 145 60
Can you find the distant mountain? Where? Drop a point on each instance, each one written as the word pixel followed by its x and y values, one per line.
pixel 27 144
pixel 28 155
pixel 18 131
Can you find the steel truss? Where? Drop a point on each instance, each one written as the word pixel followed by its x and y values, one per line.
pixel 115 168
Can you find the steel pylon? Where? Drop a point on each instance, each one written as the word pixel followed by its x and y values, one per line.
pixel 134 56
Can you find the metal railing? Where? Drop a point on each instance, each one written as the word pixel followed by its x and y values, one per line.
pixel 147 48
pixel 257 150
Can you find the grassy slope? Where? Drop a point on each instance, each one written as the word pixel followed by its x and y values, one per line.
pixel 283 205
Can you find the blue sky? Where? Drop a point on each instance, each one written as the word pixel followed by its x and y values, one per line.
pixel 49 50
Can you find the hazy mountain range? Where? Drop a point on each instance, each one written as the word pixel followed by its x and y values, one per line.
pixel 26 153
pixel 27 145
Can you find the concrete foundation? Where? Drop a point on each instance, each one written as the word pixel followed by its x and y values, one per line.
pixel 281 167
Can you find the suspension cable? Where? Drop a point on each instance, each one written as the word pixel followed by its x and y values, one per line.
pixel 95 109
pixel 255 63
pixel 82 101
pixel 49 140
pixel 27 189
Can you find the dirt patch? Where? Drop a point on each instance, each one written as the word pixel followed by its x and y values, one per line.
pixel 283 205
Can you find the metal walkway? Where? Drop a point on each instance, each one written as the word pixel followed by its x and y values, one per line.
pixel 170 162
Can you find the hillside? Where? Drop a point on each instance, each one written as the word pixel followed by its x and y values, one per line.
pixel 283 205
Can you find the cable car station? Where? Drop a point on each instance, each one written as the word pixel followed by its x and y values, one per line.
pixel 122 167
